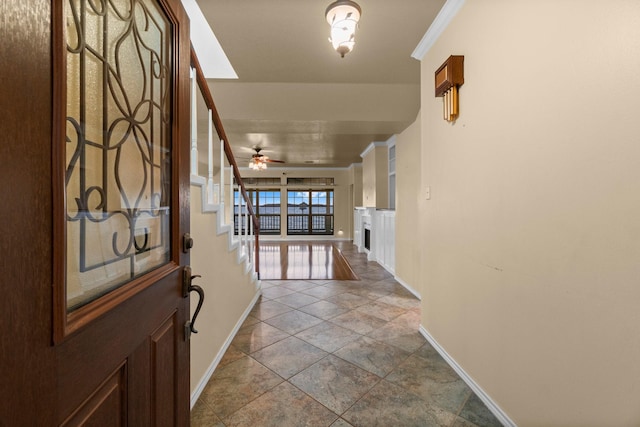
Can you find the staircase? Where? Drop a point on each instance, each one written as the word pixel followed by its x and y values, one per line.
pixel 232 214
pixel 227 261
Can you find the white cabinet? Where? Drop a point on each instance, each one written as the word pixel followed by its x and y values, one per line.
pixel 384 238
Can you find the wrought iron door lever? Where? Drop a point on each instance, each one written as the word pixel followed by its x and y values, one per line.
pixel 187 288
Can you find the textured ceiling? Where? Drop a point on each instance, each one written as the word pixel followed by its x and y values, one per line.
pixel 296 97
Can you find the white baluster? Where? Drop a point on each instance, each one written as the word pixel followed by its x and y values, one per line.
pixel 210 161
pixel 246 230
pixel 222 175
pixel 231 194
pixel 240 202
pixel 250 242
pixel 194 124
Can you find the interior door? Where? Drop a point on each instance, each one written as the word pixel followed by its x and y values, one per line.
pixel 95 320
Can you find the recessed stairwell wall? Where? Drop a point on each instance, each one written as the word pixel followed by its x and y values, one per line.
pixel 230 291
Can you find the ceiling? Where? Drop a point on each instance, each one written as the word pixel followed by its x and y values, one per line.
pixel 295 97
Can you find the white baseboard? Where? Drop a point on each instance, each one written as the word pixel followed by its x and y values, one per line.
pixel 408 287
pixel 207 375
pixel 491 405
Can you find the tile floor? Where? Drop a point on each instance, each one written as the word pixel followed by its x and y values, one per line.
pixel 336 353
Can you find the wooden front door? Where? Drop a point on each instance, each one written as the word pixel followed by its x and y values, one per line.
pixel 95 191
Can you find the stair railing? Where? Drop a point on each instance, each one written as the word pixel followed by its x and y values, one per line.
pixel 252 224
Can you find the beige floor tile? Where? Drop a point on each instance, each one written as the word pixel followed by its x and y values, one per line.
pixel 289 356
pixel 253 338
pixel 335 383
pixel 389 405
pixel 328 336
pixel 293 321
pixel 374 356
pixel 284 406
pixel 236 384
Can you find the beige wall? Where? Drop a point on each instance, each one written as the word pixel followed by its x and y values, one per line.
pixel 382 176
pixel 343 207
pixel 228 290
pixel 369 180
pixel 408 204
pixel 532 236
pixel 375 176
pixel 356 179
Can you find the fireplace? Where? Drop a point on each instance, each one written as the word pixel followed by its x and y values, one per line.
pixel 367 239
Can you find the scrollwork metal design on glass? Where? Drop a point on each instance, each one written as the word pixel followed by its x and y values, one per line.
pixel 118 171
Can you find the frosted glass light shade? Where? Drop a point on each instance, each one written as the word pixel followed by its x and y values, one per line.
pixel 343 17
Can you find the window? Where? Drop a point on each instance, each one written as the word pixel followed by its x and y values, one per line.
pixel 309 212
pixel 267 207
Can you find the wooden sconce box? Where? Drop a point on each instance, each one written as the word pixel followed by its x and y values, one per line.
pixel 450 74
pixel 449 77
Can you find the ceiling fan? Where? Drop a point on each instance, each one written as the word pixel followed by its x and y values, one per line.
pixel 259 161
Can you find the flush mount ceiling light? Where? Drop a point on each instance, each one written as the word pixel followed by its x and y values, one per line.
pixel 343 17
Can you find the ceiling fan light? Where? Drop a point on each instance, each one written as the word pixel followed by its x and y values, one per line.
pixel 257 164
pixel 343 17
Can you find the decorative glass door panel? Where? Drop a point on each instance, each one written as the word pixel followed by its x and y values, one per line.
pixel 118 144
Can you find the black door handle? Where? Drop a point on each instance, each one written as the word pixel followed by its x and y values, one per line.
pixel 187 288
pixel 200 292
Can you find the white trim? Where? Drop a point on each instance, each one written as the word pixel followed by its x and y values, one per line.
pixel 198 180
pixel 371 146
pixel 355 165
pixel 486 399
pixel 408 287
pixel 439 24
pixel 391 142
pixel 207 375
pixel 287 168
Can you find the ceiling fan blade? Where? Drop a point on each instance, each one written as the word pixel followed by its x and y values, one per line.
pixel 274 161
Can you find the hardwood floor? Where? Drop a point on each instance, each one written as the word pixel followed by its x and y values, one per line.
pixel 303 261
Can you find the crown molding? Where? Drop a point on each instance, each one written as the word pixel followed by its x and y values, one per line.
pixel 391 141
pixel 439 24
pixel 371 147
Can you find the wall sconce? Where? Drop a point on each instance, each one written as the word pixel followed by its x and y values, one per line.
pixel 448 78
pixel 343 17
